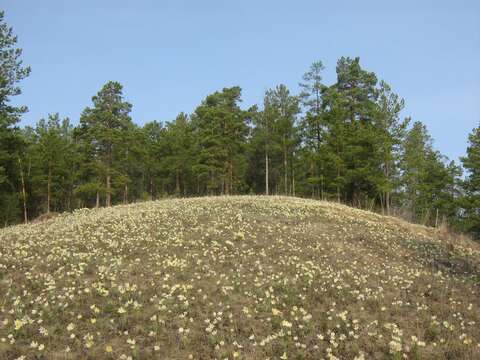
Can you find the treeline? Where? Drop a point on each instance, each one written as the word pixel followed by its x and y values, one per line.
pixel 344 142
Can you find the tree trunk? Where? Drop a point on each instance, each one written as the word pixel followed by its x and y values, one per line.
pixel 382 202
pixel 338 185
pixel 387 193
pixel 387 202
pixel 266 172
pixel 285 165
pixel 293 180
pixel 24 192
pixel 177 182
pixel 97 204
pixel 125 194
pixel 230 191
pixel 322 185
pixel 49 186
pixel 151 188
pixel 108 198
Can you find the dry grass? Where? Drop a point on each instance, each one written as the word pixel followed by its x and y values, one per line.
pixel 238 278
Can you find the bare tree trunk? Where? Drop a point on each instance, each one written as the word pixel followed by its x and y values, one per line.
pixel 49 186
pixel 285 165
pixel 97 204
pixel 322 184
pixel 382 202
pixel 108 198
pixel 387 202
pixel 151 188
pixel 387 193
pixel 177 182
pixel 230 191
pixel 293 180
pixel 266 172
pixel 338 185
pixel 24 192
pixel 125 194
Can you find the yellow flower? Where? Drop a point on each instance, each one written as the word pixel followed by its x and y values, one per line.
pixel 276 312
pixel 18 324
pixel 121 310
pixel 108 349
pixel 286 324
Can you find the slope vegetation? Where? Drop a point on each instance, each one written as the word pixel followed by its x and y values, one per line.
pixel 239 278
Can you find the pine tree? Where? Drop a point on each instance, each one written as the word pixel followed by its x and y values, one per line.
pixel 351 111
pixel 313 128
pixel 470 202
pixel 12 72
pixel 180 152
pixel 220 130
pixel 429 183
pixel 102 130
pixel 52 156
pixel 391 132
pixel 262 138
pixel 284 108
pixel 153 135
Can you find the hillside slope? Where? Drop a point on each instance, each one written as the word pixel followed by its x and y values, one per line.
pixel 238 278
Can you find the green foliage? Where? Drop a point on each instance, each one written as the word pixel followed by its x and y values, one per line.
pixel 345 142
pixel 11 73
pixel 220 130
pixel 430 184
pixel 104 136
pixel 470 201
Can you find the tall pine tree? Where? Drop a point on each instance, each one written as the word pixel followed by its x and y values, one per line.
pixel 470 202
pixel 103 130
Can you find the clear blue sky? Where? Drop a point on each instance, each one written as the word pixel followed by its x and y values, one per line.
pixel 170 54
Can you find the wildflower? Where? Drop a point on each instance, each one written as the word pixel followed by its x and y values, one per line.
pixel 286 324
pixel 19 324
pixel 239 236
pixel 43 331
pixel 108 349
pixel 395 347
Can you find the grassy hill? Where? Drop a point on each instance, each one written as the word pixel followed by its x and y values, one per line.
pixel 238 278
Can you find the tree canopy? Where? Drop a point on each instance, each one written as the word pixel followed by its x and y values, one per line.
pixel 345 141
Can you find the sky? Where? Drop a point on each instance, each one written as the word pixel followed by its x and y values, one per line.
pixel 169 55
